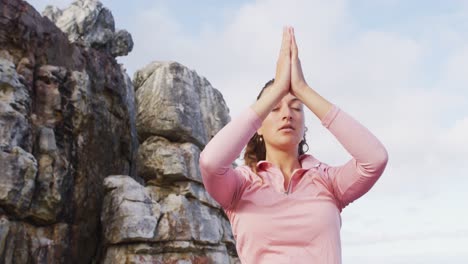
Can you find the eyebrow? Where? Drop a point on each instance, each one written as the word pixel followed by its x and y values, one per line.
pixel 295 99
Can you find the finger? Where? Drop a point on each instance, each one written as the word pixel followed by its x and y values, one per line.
pixel 286 43
pixel 294 49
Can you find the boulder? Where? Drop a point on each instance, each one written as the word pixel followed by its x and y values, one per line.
pixel 176 103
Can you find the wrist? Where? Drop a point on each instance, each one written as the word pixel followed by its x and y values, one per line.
pixel 276 91
pixel 269 98
pixel 302 90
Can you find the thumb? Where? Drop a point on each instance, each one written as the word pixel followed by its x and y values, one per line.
pixel 294 49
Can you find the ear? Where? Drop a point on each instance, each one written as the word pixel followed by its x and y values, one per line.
pixel 259 131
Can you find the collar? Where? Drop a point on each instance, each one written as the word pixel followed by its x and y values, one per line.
pixel 307 161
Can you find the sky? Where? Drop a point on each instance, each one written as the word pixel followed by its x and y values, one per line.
pixel 399 67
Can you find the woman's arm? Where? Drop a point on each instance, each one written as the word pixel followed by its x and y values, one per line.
pixel 221 181
pixel 282 83
pixel 369 156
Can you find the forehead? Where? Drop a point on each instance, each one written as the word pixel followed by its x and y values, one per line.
pixel 289 98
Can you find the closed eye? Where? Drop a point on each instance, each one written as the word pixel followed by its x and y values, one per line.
pixel 296 104
pixel 296 107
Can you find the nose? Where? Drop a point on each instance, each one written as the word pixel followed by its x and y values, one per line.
pixel 286 113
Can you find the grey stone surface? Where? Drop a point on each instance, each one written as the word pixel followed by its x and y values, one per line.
pixel 174 252
pixel 129 212
pixel 17 181
pixel 177 113
pixel 21 242
pixel 89 23
pixel 139 229
pixel 189 220
pixel 122 43
pixel 176 103
pixel 14 107
pixel 160 160
pixel 65 124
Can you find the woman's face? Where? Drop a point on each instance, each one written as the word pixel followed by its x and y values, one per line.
pixel 283 128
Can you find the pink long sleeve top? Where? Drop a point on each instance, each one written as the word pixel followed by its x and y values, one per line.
pixel 299 224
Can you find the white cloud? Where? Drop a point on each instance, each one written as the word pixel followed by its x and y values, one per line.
pixel 455 69
pixel 39 5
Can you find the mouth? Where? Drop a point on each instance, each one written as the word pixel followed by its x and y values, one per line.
pixel 287 127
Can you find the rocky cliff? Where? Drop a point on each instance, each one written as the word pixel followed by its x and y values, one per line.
pixel 69 147
pixel 172 219
pixel 66 122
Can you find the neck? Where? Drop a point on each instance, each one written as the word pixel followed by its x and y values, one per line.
pixel 286 160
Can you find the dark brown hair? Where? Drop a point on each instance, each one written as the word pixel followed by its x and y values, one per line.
pixel 256 150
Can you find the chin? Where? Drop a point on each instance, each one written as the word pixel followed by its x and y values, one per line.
pixel 286 145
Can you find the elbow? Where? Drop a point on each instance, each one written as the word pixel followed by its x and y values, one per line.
pixel 203 164
pixel 208 166
pixel 380 161
pixel 382 157
pixel 375 165
pixel 206 171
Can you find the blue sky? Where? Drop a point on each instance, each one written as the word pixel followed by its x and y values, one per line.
pixel 399 67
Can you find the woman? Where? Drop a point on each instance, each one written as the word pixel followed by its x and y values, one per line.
pixel 284 206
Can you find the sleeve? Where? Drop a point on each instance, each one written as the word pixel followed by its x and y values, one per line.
pixel 369 157
pixel 221 180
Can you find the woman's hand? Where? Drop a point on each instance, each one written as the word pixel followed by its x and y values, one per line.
pixel 298 83
pixel 299 87
pixel 282 82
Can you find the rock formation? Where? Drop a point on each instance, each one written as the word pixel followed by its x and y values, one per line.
pixel 172 218
pixel 69 147
pixel 67 120
pixel 89 23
